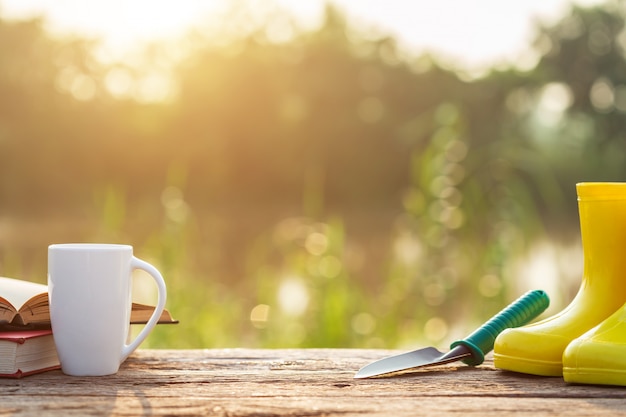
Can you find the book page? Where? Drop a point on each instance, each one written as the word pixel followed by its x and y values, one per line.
pixel 17 292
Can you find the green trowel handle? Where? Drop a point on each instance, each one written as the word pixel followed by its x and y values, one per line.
pixel 518 313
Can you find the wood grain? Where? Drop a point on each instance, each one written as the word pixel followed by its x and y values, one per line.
pixel 291 382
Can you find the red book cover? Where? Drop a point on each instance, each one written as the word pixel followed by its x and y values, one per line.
pixel 27 352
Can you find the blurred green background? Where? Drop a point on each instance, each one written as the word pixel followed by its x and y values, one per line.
pixel 328 190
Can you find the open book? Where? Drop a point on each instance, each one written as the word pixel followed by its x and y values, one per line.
pixel 24 303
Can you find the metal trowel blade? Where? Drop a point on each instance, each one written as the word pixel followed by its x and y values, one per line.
pixel 409 361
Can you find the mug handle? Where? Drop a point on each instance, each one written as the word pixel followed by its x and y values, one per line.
pixel 137 263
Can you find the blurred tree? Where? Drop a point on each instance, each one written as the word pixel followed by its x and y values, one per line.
pixel 570 107
pixel 256 118
pixel 585 52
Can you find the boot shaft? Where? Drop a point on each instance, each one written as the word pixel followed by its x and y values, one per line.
pixel 602 210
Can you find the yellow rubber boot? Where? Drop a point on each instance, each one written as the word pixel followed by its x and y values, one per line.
pixel 538 348
pixel 598 356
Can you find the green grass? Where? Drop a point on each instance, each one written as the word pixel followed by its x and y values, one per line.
pixel 300 282
pixel 446 269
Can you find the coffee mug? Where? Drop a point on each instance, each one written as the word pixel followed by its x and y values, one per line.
pixel 89 290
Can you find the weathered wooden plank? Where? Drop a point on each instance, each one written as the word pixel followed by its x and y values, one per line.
pixel 309 382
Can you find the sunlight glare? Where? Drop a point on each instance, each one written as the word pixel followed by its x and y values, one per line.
pixel 121 24
pixel 119 82
pixel 435 329
pixel 259 316
pixel 466 34
pixel 363 323
pixel 293 296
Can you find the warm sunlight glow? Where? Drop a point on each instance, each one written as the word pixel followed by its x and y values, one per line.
pixel 121 24
pixel 471 34
pixel 313 173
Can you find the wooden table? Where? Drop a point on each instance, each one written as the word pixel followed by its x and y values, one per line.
pixel 290 382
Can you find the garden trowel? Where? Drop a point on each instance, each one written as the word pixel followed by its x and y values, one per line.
pixel 470 350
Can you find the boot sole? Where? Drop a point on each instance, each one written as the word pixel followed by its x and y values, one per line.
pixel 595 376
pixel 527 366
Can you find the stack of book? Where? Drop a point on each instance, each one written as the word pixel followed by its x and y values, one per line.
pixel 26 341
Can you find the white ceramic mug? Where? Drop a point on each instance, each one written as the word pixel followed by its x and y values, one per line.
pixel 89 290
